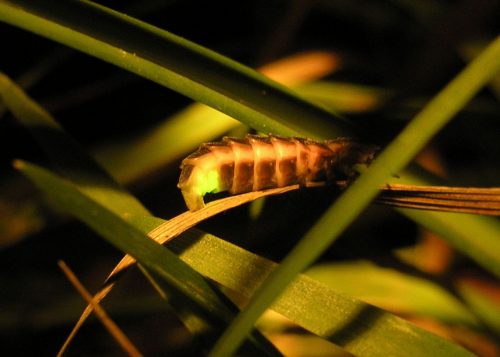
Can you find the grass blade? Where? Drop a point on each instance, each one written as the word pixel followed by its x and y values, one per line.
pixel 173 62
pixel 357 327
pixel 109 324
pixel 66 154
pixel 443 198
pixel 394 291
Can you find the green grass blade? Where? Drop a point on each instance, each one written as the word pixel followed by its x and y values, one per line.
pixel 164 144
pixel 66 154
pixel 345 97
pixel 475 236
pixel 351 203
pixel 482 301
pixel 200 329
pixel 359 328
pixel 392 290
pixel 174 62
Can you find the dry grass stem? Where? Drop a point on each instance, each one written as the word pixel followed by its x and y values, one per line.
pixel 113 329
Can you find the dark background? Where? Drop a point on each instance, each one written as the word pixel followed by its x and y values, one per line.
pixel 411 47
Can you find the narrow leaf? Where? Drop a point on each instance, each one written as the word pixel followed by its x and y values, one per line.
pixel 173 62
pixel 359 328
pixel 393 291
pixel 474 200
pixel 107 322
pixel 66 154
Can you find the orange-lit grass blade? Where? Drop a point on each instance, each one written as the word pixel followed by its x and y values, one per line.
pixel 109 324
pixel 474 200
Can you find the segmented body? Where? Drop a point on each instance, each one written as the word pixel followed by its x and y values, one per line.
pixel 261 162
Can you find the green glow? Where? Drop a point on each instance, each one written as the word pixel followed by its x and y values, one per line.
pixel 208 183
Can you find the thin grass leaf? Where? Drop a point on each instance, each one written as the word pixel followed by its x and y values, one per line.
pixel 442 198
pixel 132 159
pixel 173 62
pixel 357 327
pixel 203 298
pixel 66 154
pixel 345 97
pixel 394 291
pixel 351 203
pixel 124 342
pixel 483 299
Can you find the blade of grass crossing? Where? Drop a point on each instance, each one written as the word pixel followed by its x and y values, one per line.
pixel 108 323
pixel 341 319
pixel 350 204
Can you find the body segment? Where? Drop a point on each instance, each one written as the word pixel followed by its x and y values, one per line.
pixel 261 162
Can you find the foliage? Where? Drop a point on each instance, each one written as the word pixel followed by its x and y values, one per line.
pixel 121 120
